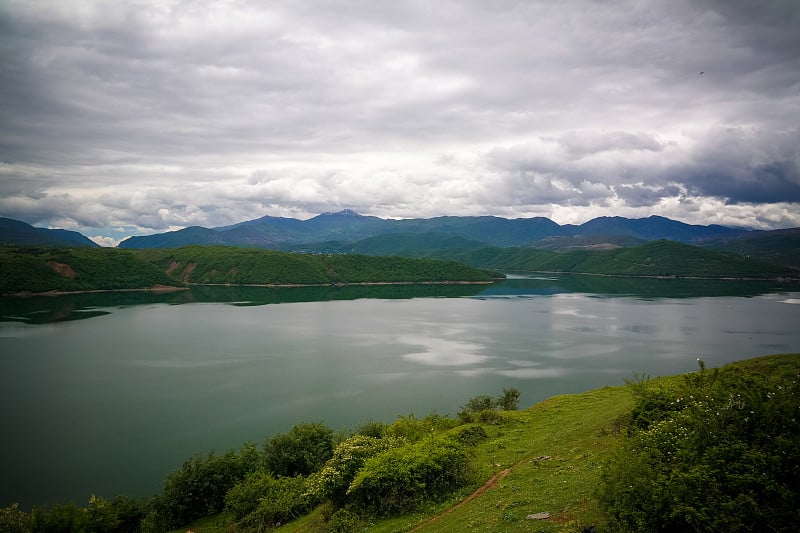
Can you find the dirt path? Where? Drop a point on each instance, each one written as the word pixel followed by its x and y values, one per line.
pixel 481 490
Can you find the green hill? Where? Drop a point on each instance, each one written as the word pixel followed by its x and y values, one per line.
pixel 30 269
pixel 241 266
pixel 43 269
pixel 781 247
pixel 655 258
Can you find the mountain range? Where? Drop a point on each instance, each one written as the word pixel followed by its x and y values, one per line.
pixel 346 227
pixel 349 232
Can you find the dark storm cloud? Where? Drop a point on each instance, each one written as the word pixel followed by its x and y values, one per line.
pixel 746 165
pixel 159 114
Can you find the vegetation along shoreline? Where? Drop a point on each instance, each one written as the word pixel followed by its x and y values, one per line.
pixel 713 448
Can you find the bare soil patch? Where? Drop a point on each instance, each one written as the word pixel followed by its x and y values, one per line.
pixel 63 269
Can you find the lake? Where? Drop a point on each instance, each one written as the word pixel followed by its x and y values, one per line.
pixel 106 393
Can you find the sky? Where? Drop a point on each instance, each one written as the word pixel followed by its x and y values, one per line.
pixel 128 118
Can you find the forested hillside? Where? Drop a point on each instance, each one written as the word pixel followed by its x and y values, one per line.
pixel 43 269
pixel 229 265
pixel 656 258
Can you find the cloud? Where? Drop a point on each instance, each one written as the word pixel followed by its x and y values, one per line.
pixel 747 165
pixel 154 115
pixel 579 144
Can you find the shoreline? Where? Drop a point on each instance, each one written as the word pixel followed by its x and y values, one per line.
pixel 670 277
pixel 167 289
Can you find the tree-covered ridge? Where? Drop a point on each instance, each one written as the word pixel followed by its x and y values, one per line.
pixel 656 258
pixel 43 269
pixel 241 266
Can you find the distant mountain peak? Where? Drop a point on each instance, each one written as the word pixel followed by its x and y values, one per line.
pixel 342 213
pixel 19 232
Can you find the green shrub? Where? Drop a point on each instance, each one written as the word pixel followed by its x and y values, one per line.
pixel 301 451
pixel 199 487
pixel 717 454
pixel 413 429
pixel 261 502
pixel 372 429
pixel 333 480
pixel 61 518
pixel 119 515
pixel 401 479
pixel 472 435
pixel 14 520
pixel 344 521
pixel 509 401
pixel 483 408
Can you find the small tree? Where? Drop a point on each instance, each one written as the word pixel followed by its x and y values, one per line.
pixel 400 479
pixel 14 520
pixel 302 451
pixel 509 400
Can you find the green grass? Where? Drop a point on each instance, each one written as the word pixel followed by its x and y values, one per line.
pixel 544 459
pixel 555 450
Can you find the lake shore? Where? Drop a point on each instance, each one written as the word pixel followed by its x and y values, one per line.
pixel 167 289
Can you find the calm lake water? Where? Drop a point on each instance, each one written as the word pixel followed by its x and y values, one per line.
pixel 105 394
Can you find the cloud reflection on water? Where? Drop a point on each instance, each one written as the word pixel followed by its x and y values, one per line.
pixel 437 351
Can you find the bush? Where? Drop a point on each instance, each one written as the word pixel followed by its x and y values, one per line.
pixel 717 454
pixel 120 515
pixel 13 520
pixel 509 400
pixel 372 429
pixel 333 480
pixel 483 408
pixel 261 501
pixel 344 521
pixel 414 429
pixel 401 479
pixel 301 451
pixel 61 518
pixel 199 487
pixel 472 435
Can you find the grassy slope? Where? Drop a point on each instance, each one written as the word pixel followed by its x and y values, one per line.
pixel 554 450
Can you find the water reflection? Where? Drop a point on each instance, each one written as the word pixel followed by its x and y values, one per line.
pixel 646 288
pixel 45 309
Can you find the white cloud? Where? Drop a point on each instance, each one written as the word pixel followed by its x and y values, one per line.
pixel 105 241
pixel 153 115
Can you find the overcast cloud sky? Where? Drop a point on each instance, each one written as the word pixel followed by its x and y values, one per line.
pixel 134 117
